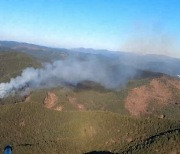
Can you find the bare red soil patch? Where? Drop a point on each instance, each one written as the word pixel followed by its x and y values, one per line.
pixel 139 98
pixel 50 100
pixel 73 101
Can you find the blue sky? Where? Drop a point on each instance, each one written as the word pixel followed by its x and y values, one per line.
pixel 139 25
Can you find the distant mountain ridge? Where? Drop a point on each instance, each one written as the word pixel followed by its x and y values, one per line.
pixel 151 62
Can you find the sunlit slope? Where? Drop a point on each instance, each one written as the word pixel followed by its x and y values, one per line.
pixel 12 64
pixel 31 128
pixel 155 97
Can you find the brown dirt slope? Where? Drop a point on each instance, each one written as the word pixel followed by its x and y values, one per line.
pixel 50 100
pixel 73 101
pixel 159 91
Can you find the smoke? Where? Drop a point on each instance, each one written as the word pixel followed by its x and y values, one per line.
pixel 71 71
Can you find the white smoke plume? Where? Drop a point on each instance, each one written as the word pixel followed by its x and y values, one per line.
pixel 70 71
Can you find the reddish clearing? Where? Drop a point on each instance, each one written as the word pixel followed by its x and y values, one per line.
pixel 139 98
pixel 73 101
pixel 50 100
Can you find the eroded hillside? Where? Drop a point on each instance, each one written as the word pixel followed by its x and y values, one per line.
pixel 158 94
pixel 156 97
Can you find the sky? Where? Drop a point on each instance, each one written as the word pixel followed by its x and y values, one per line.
pixel 143 26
